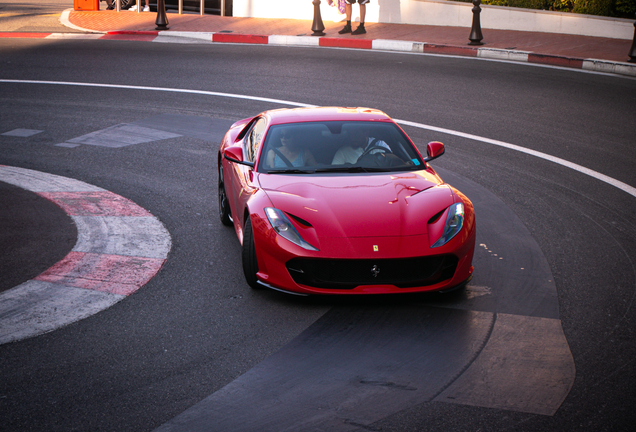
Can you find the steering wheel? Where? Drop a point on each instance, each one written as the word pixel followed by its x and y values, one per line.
pixel 372 148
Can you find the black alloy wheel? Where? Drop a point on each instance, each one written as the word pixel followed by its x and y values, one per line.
pixel 250 265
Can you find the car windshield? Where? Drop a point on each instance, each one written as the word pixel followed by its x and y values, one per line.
pixel 337 146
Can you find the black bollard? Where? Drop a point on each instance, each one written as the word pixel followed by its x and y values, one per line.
pixel 632 51
pixel 317 26
pixel 162 19
pixel 475 32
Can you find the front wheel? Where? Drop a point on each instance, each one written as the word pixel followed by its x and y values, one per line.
pixel 250 265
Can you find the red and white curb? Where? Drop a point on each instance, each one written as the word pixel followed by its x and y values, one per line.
pixel 592 65
pixel 120 247
pixel 605 66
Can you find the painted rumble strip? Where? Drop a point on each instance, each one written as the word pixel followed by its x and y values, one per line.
pixel 120 247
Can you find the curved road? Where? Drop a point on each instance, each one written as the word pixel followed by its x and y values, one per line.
pixel 552 295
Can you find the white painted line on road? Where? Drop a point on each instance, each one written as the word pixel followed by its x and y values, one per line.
pixel 602 177
pixel 122 135
pixel 23 133
pixel 162 89
pixel 581 169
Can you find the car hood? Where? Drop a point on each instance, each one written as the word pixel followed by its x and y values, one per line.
pixel 378 205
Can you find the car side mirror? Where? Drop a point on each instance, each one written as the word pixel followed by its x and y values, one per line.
pixel 235 154
pixel 434 149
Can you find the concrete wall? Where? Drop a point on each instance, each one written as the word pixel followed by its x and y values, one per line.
pixel 445 13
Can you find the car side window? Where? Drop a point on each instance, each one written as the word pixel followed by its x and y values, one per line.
pixel 254 139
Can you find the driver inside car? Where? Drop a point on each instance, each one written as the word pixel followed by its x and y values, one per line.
pixel 290 153
pixel 359 142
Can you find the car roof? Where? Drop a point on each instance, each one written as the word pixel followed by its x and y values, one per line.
pixel 297 115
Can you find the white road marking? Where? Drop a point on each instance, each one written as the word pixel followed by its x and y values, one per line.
pixel 23 133
pixel 602 177
pixel 163 89
pixel 581 169
pixel 122 135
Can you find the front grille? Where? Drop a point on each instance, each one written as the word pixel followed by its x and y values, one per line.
pixel 348 274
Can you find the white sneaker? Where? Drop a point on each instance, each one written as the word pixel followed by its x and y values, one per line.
pixel 133 9
pixel 146 8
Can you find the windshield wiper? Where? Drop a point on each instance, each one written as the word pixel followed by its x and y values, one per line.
pixel 290 171
pixel 334 169
pixel 351 169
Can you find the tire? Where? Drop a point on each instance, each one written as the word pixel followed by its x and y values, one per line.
pixel 250 265
pixel 224 206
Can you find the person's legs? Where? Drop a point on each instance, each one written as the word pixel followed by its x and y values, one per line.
pixel 347 27
pixel 138 4
pixel 363 13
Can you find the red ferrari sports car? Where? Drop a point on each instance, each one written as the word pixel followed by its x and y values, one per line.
pixel 336 200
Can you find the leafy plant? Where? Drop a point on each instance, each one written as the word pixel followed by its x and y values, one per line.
pixel 562 5
pixel 611 8
pixel 593 7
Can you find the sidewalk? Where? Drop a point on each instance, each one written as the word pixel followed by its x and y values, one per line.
pixel 550 48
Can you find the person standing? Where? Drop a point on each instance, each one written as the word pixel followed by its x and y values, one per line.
pixel 363 12
pixel 145 9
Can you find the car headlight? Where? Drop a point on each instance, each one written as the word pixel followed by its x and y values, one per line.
pixel 454 224
pixel 285 229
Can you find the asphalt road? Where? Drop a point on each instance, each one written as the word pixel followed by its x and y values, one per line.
pixel 196 327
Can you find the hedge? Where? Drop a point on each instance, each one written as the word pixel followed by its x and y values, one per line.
pixel 610 8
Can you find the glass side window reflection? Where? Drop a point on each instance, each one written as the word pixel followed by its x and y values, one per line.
pixel 254 139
